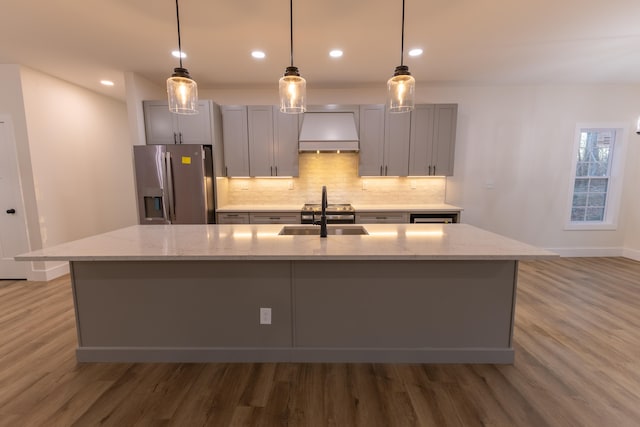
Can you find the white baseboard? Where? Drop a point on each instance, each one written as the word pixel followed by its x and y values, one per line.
pixel 633 254
pixel 50 272
pixel 588 252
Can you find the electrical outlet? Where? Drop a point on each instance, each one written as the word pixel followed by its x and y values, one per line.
pixel 290 185
pixel 244 185
pixel 414 184
pixel 364 185
pixel 265 315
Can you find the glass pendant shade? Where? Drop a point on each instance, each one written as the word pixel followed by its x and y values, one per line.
pixel 182 91
pixel 293 92
pixel 401 91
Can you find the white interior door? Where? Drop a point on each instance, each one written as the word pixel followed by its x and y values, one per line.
pixel 13 229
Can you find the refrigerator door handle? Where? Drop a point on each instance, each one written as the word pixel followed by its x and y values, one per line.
pixel 169 174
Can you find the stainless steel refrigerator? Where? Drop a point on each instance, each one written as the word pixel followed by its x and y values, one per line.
pixel 175 184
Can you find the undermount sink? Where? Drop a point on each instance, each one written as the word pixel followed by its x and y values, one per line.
pixel 314 230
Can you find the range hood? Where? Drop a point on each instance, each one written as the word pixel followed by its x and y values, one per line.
pixel 330 131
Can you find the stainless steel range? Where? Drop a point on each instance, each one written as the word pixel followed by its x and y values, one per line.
pixel 336 214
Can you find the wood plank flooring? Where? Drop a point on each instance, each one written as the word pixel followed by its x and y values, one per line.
pixel 577 341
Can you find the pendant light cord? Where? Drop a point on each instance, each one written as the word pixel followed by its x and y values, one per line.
pixel 402 42
pixel 179 44
pixel 291 27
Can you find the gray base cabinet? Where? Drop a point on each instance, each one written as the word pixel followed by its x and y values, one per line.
pixel 233 218
pixel 382 218
pixel 321 311
pixel 259 218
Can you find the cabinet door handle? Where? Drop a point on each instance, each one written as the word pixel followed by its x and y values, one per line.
pixel 226 171
pixel 271 170
pixel 175 138
pixel 380 170
pixel 434 169
pixel 276 171
pixel 429 170
pixel 385 171
pixel 180 137
pixel 11 211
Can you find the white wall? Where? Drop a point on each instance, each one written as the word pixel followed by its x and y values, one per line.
pixel 519 140
pixel 74 157
pixel 139 89
pixel 11 103
pixel 631 199
pixel 80 153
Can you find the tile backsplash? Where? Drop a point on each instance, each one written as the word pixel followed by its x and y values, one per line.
pixel 339 172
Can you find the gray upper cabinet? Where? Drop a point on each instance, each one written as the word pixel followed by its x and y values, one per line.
pixel 433 137
pixel 235 140
pixel 384 142
pixel 371 140
pixel 397 137
pixel 260 141
pixel 285 143
pixel 165 127
pixel 260 125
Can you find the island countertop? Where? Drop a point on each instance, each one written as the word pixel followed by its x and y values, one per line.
pixel 262 242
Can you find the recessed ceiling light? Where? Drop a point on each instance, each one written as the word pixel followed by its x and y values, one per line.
pixel 415 52
pixel 176 54
pixel 336 53
pixel 258 54
pixel 106 82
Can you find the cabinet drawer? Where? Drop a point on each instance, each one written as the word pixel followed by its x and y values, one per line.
pixel 274 218
pixel 233 218
pixel 382 218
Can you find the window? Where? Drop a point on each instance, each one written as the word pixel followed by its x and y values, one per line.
pixel 594 199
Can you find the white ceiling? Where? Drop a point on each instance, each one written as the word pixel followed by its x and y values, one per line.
pixel 464 41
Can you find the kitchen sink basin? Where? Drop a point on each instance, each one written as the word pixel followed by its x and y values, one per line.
pixel 314 230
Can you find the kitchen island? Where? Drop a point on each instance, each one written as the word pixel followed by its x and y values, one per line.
pixel 419 293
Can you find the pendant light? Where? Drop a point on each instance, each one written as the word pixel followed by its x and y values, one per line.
pixel 292 87
pixel 401 87
pixel 182 90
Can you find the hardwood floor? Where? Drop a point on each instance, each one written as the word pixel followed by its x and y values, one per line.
pixel 577 341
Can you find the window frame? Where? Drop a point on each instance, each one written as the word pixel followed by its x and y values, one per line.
pixel 616 173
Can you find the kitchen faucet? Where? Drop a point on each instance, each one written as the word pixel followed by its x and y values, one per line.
pixel 323 216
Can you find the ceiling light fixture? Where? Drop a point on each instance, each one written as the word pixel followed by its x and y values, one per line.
pixel 336 53
pixel 182 90
pixel 415 52
pixel 292 87
pixel 401 87
pixel 106 82
pixel 258 54
pixel 178 54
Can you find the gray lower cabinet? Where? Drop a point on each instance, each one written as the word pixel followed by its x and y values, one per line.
pixel 259 140
pixel 259 218
pixel 164 127
pixel 233 218
pixel 274 218
pixel 382 218
pixel 410 311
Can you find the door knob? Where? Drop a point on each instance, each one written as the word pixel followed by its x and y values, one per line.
pixel 11 211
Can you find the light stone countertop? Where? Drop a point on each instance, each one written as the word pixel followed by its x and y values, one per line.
pixel 262 242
